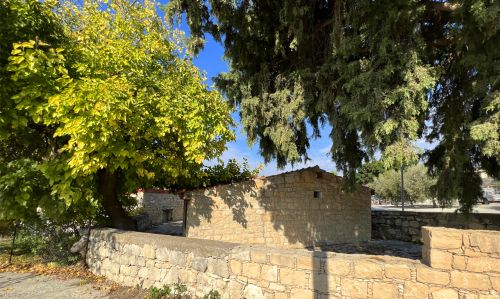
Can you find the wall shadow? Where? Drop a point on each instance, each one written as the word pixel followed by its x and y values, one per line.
pixel 202 203
pixel 301 209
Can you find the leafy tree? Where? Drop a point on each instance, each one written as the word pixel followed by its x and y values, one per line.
pixel 221 173
pixel 23 143
pixel 381 73
pixel 418 185
pixel 369 171
pixel 121 99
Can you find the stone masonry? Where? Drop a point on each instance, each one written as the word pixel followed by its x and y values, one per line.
pixel 158 203
pixel 405 226
pixel 297 209
pixel 457 264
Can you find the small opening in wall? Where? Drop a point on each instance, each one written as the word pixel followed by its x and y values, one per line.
pixel 168 215
pixel 317 194
pixel 319 175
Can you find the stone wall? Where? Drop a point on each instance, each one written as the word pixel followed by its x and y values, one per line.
pixel 281 211
pixel 405 226
pixel 156 202
pixel 471 269
pixel 467 259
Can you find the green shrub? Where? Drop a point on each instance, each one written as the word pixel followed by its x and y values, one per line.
pixel 49 241
pixel 213 294
pixel 158 293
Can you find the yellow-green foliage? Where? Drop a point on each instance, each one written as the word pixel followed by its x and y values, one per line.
pixel 119 93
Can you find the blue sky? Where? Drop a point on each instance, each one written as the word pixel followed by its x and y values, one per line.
pixel 211 61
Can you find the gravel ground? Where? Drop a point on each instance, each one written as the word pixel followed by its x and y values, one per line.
pixel 29 285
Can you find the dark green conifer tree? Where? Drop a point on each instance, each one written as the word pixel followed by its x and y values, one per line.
pixel 382 73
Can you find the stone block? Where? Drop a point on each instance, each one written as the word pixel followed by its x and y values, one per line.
pixel 218 267
pixel 258 256
pixel 471 281
pixel 155 274
pixel 487 242
pixel 132 249
pixel 368 269
pixel 337 266
pixel 441 238
pixel 354 288
pixel 253 292
pixel 129 270
pixel 199 264
pixel 309 263
pixel 302 294
pixel 269 273
pixel 445 294
pixel 177 258
pixel 242 255
pixel 459 262
pixel 292 277
pixel 280 296
pixel 323 283
pixel 438 259
pixel 483 264
pixel 149 251
pixel 415 290
pixel 234 289
pixel 186 277
pixel 281 260
pixel 251 270
pixel 162 254
pixel 150 263
pixel 143 272
pixel 235 267
pixel 495 282
pixel 383 290
pixel 429 275
pixel 172 276
pixel 397 271
pixel 131 281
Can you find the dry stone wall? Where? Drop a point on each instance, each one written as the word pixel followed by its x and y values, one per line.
pixel 405 226
pixel 156 203
pixel 243 271
pixel 293 210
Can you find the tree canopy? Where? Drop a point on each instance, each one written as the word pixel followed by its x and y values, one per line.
pixel 418 185
pixel 115 99
pixel 382 74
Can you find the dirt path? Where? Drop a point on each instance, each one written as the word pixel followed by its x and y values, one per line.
pixel 29 285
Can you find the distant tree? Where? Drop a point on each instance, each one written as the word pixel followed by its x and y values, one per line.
pixel 118 100
pixel 369 171
pixel 418 185
pixel 382 74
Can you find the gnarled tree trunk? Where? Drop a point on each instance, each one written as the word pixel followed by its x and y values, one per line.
pixel 112 206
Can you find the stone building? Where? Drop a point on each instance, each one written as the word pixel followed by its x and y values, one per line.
pixel 160 205
pixel 297 209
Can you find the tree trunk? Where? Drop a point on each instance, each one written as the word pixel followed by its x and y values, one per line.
pixel 112 206
pixel 11 252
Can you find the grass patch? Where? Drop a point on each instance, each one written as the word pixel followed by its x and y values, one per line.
pixel 21 256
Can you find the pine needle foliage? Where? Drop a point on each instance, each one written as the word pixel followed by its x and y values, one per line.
pixel 382 74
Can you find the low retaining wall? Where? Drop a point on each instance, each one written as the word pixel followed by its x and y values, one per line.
pixel 242 271
pixel 405 226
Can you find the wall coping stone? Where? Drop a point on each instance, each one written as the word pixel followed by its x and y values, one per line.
pixel 208 248
pixel 222 249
